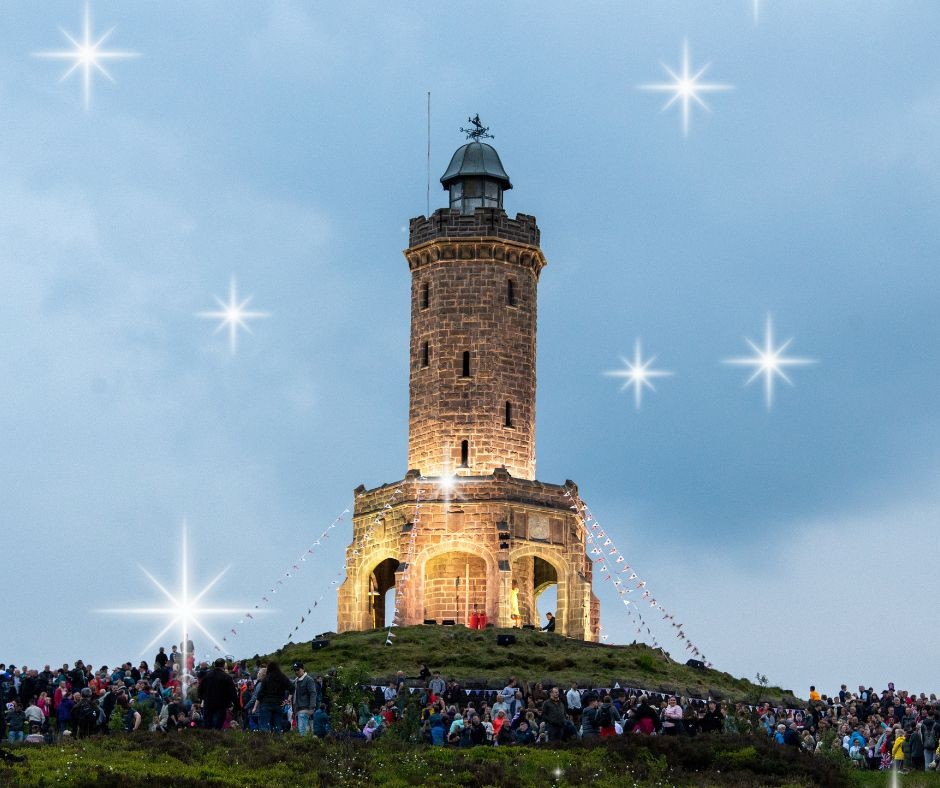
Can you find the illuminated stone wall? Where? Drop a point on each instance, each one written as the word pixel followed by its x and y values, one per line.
pixel 464 525
pixel 474 291
pixel 476 296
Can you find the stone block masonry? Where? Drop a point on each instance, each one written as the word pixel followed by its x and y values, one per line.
pixel 470 516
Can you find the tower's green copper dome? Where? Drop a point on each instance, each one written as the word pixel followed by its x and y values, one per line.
pixel 475 159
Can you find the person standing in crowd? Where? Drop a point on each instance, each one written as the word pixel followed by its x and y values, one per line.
pixel 85 714
pixel 16 719
pixel 672 717
pixel 437 685
pixel 305 698
pixel 271 697
pixel 712 719
pixel 929 730
pixel 218 693
pixel 897 748
pixel 590 729
pixel 646 718
pixel 915 748
pixel 573 701
pixel 553 714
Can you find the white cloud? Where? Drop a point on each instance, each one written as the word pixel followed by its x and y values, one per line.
pixel 847 598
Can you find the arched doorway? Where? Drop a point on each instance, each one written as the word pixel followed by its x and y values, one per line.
pixel 538 588
pixel 545 590
pixel 454 586
pixel 381 591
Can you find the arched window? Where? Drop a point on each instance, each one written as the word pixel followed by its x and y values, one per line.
pixel 510 292
pixel 508 420
pixel 464 454
pixel 425 295
pixel 425 354
pixel 466 364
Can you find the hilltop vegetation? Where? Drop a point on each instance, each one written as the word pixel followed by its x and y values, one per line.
pixel 228 758
pixel 473 657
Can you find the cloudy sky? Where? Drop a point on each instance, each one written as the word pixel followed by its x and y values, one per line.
pixel 284 143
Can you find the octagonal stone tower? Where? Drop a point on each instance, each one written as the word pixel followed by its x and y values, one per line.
pixel 469 518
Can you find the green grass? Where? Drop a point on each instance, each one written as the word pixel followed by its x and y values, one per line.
pixel 210 758
pixel 473 656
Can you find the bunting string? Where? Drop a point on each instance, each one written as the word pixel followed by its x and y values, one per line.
pixel 264 601
pixel 614 568
pixel 358 548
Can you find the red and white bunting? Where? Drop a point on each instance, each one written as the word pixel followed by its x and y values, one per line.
pixel 594 534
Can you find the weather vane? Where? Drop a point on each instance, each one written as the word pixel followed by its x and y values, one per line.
pixel 478 131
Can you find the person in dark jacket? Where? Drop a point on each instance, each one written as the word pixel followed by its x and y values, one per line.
pixel 271 696
pixel 915 744
pixel 645 718
pixel 524 734
pixel 322 727
pixel 477 731
pixel 217 692
pixel 553 714
pixel 712 720
pixel 590 729
pixel 306 698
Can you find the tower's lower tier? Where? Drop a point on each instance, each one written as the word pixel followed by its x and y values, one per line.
pixel 449 550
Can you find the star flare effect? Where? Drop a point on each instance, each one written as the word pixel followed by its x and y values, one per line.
pixel 182 609
pixel 686 87
pixel 637 373
pixel 233 315
pixel 769 362
pixel 87 55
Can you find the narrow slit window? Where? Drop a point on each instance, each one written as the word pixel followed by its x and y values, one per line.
pixel 466 364
pixel 464 454
pixel 510 292
pixel 425 354
pixel 508 421
pixel 425 295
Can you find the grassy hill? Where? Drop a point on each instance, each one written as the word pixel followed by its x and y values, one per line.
pixel 474 658
pixel 196 759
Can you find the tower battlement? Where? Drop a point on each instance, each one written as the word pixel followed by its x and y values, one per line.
pixel 483 222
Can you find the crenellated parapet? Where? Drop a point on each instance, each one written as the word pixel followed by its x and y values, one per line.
pixel 483 222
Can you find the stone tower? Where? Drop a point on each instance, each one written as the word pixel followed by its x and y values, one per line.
pixel 469 517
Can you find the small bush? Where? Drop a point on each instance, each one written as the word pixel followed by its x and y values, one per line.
pixel 645 662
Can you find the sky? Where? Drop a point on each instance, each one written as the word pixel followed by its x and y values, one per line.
pixel 284 144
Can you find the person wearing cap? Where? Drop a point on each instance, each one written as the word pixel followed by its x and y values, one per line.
pixel 217 692
pixel 305 698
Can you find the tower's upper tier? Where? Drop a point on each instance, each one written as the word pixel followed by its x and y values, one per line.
pixel 475 178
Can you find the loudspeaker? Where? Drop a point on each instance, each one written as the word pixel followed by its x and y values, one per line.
pixel 448 622
pixel 430 621
pixel 316 645
pixel 696 663
pixel 505 640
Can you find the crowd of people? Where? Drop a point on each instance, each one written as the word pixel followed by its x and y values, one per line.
pixel 890 729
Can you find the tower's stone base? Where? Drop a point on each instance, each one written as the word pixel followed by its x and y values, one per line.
pixel 466 545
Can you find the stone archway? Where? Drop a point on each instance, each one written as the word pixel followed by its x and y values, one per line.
pixel 381 580
pixel 537 572
pixel 433 590
pixel 454 585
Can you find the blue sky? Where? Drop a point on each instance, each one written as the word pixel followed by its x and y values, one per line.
pixel 284 143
